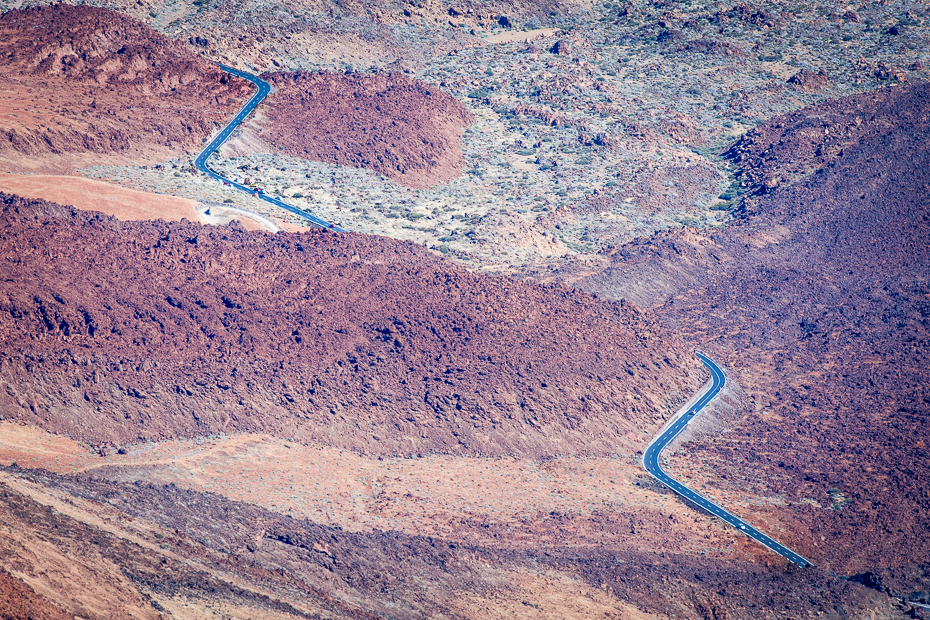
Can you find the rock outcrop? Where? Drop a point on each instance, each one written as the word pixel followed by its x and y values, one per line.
pixel 816 297
pixel 403 129
pixel 82 79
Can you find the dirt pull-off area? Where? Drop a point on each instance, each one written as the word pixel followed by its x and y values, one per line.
pixel 78 80
pixel 128 204
pixel 404 129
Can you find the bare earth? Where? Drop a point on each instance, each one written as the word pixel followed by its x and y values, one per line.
pixel 510 36
pixel 90 195
pixel 127 204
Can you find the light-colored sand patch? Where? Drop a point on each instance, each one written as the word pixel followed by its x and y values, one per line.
pixel 32 447
pixel 521 37
pixel 128 204
pixel 91 195
pixel 213 214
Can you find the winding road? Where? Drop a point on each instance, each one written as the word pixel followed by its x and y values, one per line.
pixel 201 162
pixel 654 450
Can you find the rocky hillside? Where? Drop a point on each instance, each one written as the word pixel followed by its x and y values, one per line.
pixel 403 129
pixel 115 331
pixel 80 79
pixel 817 299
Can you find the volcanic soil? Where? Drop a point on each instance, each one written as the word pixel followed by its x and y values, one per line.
pixel 88 194
pixel 394 370
pixel 146 548
pixel 406 130
pixel 83 85
pixel 816 298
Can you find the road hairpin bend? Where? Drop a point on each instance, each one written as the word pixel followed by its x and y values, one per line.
pixel 201 162
pixel 654 450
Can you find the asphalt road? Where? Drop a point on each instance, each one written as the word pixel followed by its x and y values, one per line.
pixel 654 450
pixel 201 162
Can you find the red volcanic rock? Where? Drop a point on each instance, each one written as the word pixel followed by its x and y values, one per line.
pixel 83 79
pixel 18 600
pixel 243 551
pixel 817 299
pixel 112 331
pixel 707 46
pixel 562 47
pixel 398 127
pixel 808 81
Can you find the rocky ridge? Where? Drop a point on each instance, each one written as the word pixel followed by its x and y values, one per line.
pixel 406 130
pixel 119 331
pixel 81 80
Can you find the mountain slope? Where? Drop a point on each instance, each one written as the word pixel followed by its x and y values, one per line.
pixel 118 331
pixel 817 298
pixel 80 81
